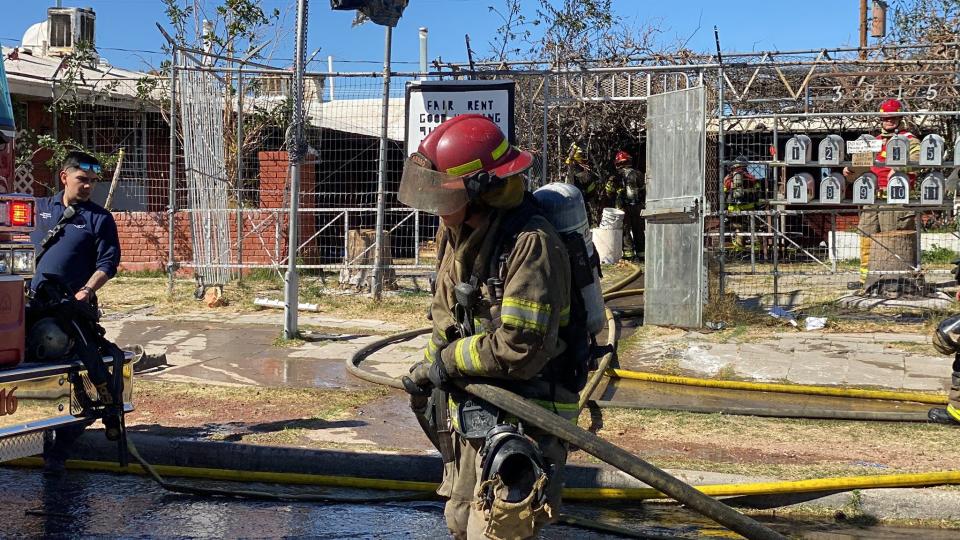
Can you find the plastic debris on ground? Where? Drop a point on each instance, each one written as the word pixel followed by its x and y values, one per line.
pixel 778 312
pixel 814 323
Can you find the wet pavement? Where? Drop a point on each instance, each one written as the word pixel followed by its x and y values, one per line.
pixel 88 505
pixel 96 505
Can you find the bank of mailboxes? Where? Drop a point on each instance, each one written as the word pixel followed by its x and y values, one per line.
pixel 865 189
pixel 798 150
pixel 931 150
pixel 831 150
pixel 800 188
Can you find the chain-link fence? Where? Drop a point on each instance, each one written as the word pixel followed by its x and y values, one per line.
pixel 223 176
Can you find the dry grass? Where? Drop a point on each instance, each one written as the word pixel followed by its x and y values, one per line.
pixel 181 404
pixel 127 293
pixel 407 307
pixel 784 448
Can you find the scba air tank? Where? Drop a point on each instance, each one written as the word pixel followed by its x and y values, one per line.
pixel 562 205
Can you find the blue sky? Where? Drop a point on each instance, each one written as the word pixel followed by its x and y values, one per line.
pixel 127 35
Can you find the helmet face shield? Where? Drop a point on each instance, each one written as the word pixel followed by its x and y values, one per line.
pixel 431 191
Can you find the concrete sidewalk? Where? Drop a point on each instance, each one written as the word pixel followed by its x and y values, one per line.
pixel 884 360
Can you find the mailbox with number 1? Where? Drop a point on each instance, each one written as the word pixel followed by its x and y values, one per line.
pixel 931 189
pixel 798 150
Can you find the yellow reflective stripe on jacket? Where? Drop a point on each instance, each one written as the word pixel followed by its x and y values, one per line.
pixel 569 411
pixel 565 316
pixel 467 355
pixel 525 314
pixel 432 346
pixel 952 411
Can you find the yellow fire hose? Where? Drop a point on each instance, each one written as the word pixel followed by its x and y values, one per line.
pixel 810 390
pixel 839 483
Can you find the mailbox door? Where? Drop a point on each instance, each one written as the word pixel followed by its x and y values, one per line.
pixel 864 191
pixel 898 190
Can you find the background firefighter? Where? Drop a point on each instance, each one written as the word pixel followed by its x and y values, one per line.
pixel 633 199
pixel 741 192
pixel 496 315
pixel 580 175
pixel 872 220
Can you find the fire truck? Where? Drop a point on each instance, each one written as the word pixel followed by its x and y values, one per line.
pixel 35 398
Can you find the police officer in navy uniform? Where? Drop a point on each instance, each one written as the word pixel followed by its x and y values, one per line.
pixel 81 251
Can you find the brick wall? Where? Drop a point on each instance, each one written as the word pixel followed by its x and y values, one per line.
pixel 143 235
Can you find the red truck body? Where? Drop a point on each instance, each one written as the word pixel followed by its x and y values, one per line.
pixel 16 220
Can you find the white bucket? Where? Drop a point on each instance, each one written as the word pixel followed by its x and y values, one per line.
pixel 609 245
pixel 612 218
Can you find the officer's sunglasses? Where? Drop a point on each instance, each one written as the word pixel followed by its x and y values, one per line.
pixel 90 167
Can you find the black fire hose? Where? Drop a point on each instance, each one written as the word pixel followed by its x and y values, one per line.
pixel 595 446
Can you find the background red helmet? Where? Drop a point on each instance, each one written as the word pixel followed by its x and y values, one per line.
pixel 891 106
pixel 622 157
pixel 472 142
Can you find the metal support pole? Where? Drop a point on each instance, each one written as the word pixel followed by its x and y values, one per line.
pixel 863 29
pixel 544 177
pixel 377 285
pixel 918 221
pixel 753 243
pixel 833 242
pixel 239 179
pixel 776 260
pixel 330 79
pixel 291 292
pixel 416 237
pixel 720 195
pixel 172 172
pixel 423 53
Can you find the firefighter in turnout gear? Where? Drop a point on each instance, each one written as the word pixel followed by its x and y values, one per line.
pixel 500 310
pixel 741 192
pixel 945 340
pixel 633 199
pixel 873 221
pixel 580 175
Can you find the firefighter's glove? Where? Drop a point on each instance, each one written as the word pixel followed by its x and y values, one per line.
pixel 424 376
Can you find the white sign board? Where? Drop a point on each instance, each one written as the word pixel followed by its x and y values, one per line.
pixel 429 103
pixel 861 146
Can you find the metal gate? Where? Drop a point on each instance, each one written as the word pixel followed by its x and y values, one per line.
pixel 674 270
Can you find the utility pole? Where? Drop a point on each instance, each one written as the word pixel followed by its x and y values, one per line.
pixel 863 29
